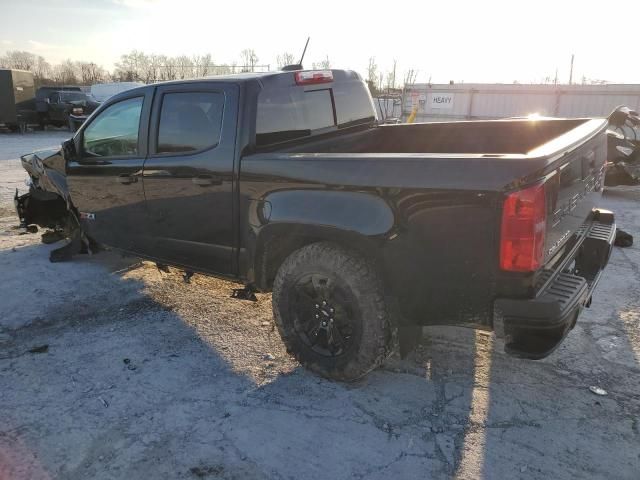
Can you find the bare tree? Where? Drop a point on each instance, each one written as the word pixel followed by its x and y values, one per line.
pixel 19 60
pixel 41 69
pixel 153 68
pixel 202 65
pixel 372 76
pixel 410 77
pixel 127 69
pixel 170 68
pixel 65 73
pixel 325 64
pixel 285 59
pixel 249 59
pixel 185 67
pixel 391 77
pixel 90 73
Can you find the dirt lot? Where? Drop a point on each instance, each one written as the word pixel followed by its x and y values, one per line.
pixel 145 376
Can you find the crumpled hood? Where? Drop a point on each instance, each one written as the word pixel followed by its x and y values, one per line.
pixel 47 170
pixel 35 163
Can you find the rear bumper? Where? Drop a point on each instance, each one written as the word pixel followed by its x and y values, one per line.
pixel 533 328
pixel 78 118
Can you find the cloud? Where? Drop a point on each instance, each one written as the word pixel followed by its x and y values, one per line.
pixel 42 46
pixel 135 3
pixel 6 42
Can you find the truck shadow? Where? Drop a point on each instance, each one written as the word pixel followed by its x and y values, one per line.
pixel 145 375
pixel 539 419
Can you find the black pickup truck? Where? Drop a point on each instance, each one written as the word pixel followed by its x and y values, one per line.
pixel 69 108
pixel 284 181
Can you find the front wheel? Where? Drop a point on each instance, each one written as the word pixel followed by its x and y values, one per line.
pixel 330 309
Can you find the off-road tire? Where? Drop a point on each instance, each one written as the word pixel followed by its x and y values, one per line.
pixel 357 274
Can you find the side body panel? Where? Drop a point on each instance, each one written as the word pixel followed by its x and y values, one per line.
pixel 436 245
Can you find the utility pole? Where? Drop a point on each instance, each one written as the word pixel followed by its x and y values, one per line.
pixel 571 70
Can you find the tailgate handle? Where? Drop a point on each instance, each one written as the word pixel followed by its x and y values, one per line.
pixel 126 179
pixel 206 180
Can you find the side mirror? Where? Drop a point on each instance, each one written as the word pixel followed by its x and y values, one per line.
pixel 69 149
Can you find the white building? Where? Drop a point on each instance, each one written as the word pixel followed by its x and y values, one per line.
pixel 485 101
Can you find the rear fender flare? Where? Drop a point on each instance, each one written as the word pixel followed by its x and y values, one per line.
pixel 287 220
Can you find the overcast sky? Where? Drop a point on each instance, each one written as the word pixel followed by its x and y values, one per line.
pixel 470 41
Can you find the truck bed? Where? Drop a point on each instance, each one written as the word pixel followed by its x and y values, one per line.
pixel 493 137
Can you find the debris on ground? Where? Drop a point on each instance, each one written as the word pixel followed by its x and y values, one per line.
pixel 39 349
pixel 598 390
pixel 623 239
pixel 212 471
pixel 130 366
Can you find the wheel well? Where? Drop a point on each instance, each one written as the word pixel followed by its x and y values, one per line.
pixel 274 252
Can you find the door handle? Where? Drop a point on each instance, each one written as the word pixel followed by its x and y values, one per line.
pixel 206 180
pixel 126 179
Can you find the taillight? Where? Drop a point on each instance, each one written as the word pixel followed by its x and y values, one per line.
pixel 313 77
pixel 522 236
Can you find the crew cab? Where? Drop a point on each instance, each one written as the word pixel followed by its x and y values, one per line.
pixel 286 182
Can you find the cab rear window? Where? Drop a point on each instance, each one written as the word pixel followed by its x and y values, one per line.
pixel 286 114
pixel 289 113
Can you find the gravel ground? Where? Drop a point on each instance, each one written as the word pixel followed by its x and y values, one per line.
pixel 145 376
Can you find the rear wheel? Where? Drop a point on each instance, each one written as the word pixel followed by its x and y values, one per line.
pixel 330 309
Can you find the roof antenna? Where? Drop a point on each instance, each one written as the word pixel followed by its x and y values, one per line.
pixel 297 66
pixel 304 51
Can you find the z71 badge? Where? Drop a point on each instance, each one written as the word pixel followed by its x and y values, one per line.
pixel 87 216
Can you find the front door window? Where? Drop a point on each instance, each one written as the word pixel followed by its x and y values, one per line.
pixel 114 132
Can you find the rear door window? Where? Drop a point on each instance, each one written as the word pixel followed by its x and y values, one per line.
pixel 289 113
pixel 189 121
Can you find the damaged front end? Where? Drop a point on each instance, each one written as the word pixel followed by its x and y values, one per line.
pixel 47 204
pixel 41 208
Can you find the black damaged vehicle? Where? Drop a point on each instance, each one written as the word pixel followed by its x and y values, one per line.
pixel 286 182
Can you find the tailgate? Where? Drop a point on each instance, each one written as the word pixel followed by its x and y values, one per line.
pixel 573 191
